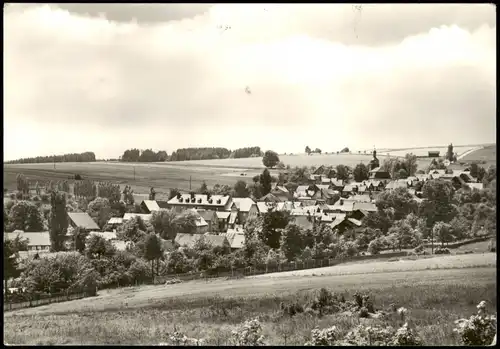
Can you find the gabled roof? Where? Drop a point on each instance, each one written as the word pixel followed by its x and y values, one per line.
pixel 355 221
pixel 107 235
pixel 83 220
pixel 270 198
pixel 326 180
pixel 349 187
pixel 151 205
pixel 200 222
pixel 280 188
pixel 362 188
pixel 115 220
pixel 34 238
pixel 235 238
pixel 190 239
pixel 479 186
pixel 222 214
pixel 347 206
pixel 365 206
pixel 396 184
pixel 243 204
pixel 302 188
pixel 323 186
pixel 200 199
pixel 129 216
pixel 337 182
pixel 336 222
pixel 360 198
pixel 207 215
pixel 262 206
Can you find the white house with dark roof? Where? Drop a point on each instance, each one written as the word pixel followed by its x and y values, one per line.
pixel 37 241
pixel 246 208
pixel 181 202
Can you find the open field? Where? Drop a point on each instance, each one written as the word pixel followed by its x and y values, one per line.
pixel 488 154
pixel 424 151
pixel 147 315
pixel 176 174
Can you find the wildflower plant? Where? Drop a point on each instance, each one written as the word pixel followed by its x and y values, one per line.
pixel 479 329
pixel 249 334
pixel 326 336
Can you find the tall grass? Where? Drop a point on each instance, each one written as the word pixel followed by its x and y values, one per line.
pixel 433 310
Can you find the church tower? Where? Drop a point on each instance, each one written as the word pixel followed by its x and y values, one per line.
pixel 374 163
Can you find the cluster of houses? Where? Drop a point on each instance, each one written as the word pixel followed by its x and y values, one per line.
pixel 221 219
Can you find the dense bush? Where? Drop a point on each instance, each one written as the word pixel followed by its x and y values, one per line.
pixel 479 329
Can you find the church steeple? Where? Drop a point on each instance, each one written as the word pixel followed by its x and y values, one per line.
pixel 374 163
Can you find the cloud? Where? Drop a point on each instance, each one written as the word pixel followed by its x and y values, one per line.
pixel 416 75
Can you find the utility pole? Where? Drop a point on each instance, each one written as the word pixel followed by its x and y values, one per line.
pixel 189 182
pixel 134 173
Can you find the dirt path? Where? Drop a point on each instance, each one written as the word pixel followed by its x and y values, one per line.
pixel 468 152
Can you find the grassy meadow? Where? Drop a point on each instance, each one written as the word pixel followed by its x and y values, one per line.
pixel 436 291
pixel 488 154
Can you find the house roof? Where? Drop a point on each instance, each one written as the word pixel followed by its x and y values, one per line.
pixel 349 187
pixel 107 235
pixel 236 238
pixel 302 188
pixel 280 188
pixel 337 182
pixel 376 169
pixel 336 222
pixel 323 186
pixel 34 238
pixel 354 221
pixel 200 222
pixel 190 239
pixel 222 214
pixel 365 206
pixel 207 215
pixel 360 198
pixel 285 206
pixel 326 180
pixel 115 220
pixel 347 206
pixel 83 220
pixel 396 184
pixel 151 205
pixel 270 198
pixel 200 199
pixel 262 206
pixel 128 216
pixel 479 186
pixel 243 204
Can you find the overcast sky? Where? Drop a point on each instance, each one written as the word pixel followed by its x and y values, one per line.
pixel 105 78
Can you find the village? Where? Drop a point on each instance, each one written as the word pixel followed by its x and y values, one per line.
pixel 221 219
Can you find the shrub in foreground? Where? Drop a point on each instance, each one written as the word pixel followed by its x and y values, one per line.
pixel 479 329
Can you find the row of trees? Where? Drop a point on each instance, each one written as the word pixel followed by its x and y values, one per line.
pixel 309 151
pixel 148 155
pixel 74 157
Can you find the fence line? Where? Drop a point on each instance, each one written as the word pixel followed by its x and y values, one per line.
pixel 266 269
pixel 42 301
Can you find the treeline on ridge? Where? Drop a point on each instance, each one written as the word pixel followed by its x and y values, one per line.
pixel 183 154
pixel 74 157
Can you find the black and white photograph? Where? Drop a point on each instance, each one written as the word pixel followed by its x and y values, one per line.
pixel 233 174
